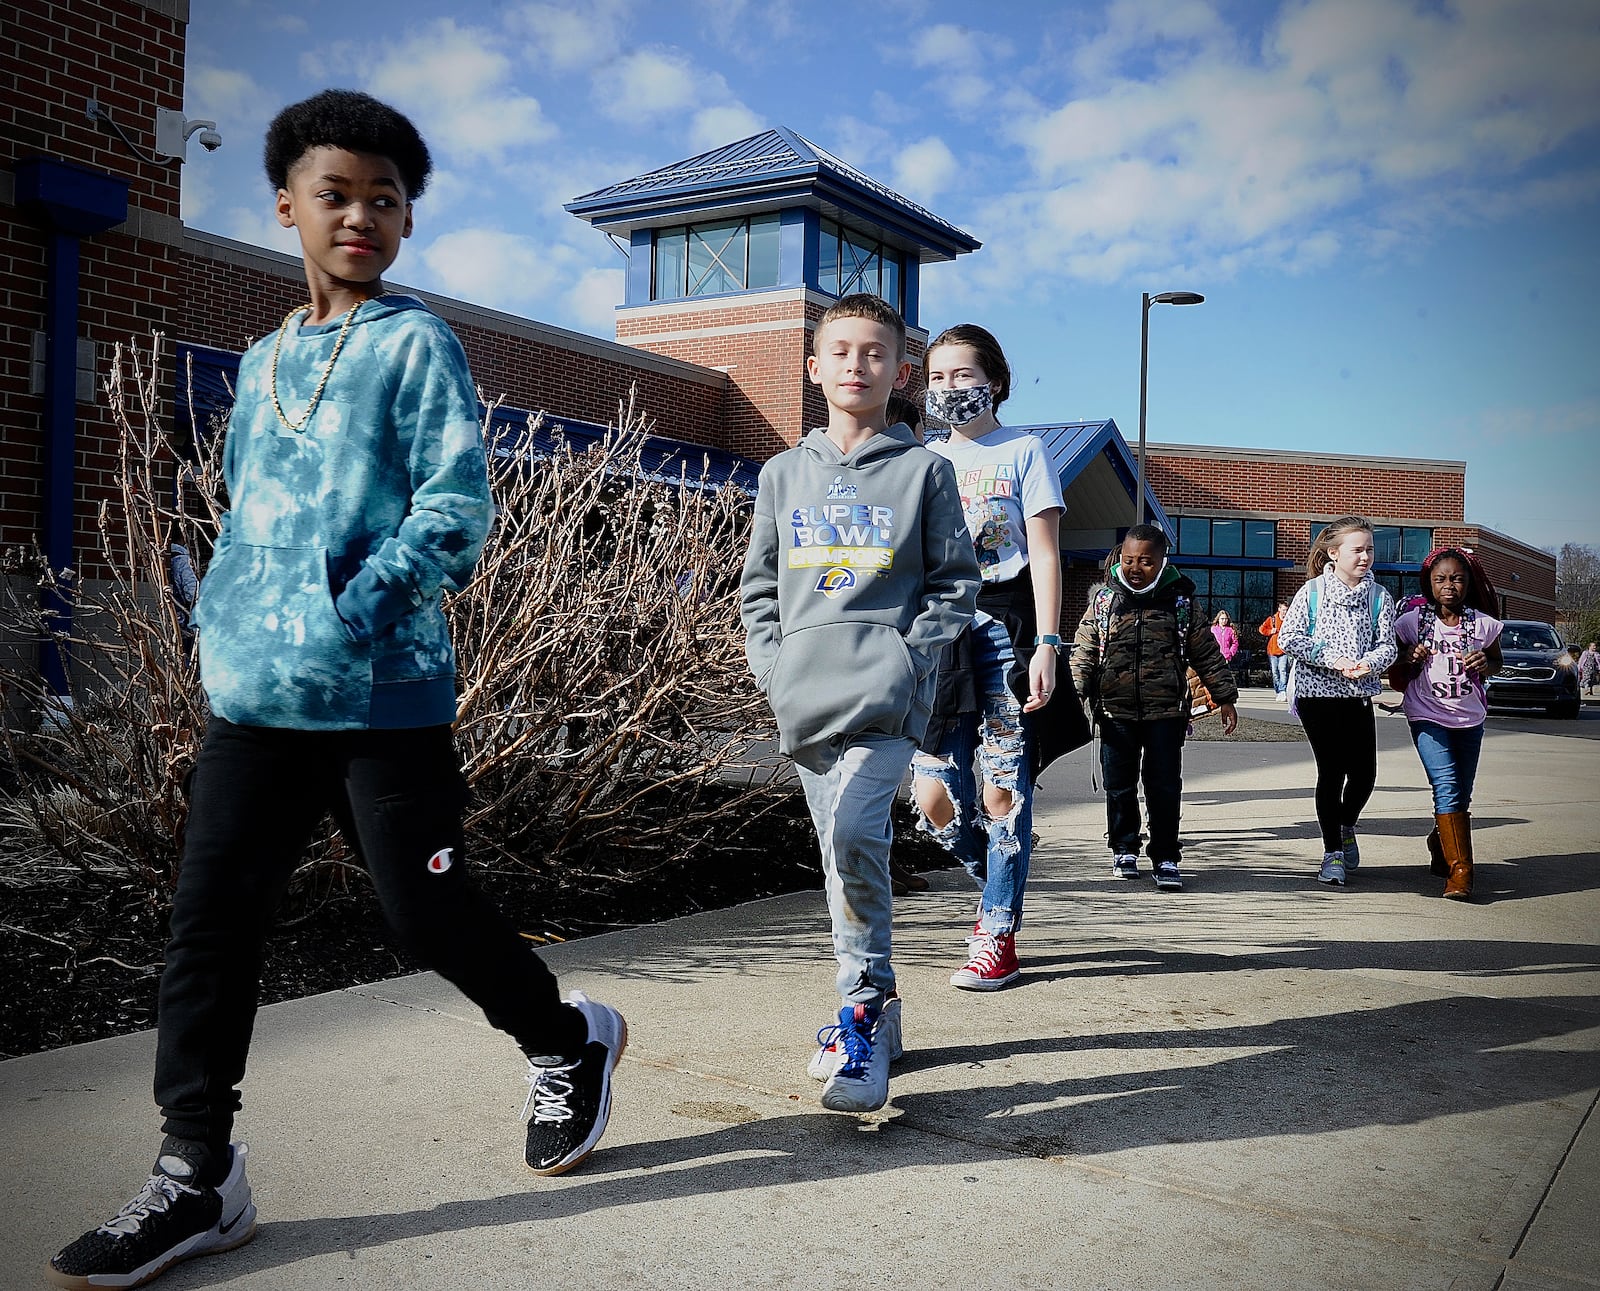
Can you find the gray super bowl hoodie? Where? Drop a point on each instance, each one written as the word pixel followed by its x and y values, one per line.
pixel 859 569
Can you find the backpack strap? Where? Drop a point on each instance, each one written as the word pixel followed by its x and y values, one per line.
pixel 1102 618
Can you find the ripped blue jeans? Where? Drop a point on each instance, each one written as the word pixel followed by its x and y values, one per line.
pixel 986 748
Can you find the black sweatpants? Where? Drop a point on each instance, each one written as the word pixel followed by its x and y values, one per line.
pixel 257 796
pixel 1344 740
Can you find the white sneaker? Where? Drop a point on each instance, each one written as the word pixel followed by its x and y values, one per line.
pixel 860 1081
pixel 886 1033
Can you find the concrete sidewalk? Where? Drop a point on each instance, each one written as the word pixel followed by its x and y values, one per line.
pixel 1255 1083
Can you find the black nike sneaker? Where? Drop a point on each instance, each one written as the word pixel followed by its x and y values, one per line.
pixel 570 1099
pixel 173 1218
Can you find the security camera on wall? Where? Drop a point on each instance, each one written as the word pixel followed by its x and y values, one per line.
pixel 174 130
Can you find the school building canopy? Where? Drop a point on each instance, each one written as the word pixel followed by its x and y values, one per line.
pixel 1098 476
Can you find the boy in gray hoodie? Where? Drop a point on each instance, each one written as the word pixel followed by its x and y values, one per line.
pixel 859 570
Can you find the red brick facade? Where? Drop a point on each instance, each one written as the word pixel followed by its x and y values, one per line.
pixel 1295 489
pixel 127 55
pixel 761 342
pixel 234 293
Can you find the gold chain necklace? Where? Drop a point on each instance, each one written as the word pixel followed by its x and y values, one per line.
pixel 316 395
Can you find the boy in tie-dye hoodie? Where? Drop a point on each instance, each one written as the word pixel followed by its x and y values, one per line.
pixel 359 493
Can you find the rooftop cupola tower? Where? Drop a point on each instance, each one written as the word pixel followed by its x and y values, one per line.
pixel 734 254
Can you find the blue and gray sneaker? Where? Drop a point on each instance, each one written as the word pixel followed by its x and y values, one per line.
pixel 1352 849
pixel 1167 877
pixel 1124 865
pixel 860 1081
pixel 1332 871
pixel 830 1054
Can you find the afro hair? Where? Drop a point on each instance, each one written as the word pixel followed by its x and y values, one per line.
pixel 350 120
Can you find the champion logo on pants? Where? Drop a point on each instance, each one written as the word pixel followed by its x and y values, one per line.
pixel 440 861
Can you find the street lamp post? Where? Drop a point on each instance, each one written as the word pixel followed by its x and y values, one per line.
pixel 1163 298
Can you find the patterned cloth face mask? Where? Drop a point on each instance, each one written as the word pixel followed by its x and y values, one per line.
pixel 958 407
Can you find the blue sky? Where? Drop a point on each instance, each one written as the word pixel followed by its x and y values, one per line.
pixel 1391 208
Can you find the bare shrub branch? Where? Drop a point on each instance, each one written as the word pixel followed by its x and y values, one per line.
pixel 606 721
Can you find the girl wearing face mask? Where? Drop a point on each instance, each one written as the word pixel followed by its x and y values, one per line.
pixel 1339 631
pixel 1004 667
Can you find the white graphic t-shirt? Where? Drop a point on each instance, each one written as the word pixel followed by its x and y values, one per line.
pixel 1004 479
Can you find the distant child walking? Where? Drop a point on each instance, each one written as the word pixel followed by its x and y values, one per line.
pixel 1276 659
pixel 1447 646
pixel 996 681
pixel 1339 630
pixel 359 493
pixel 1227 637
pixel 859 570
pixel 1131 657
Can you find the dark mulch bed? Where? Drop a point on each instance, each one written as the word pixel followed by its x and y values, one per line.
pixel 80 961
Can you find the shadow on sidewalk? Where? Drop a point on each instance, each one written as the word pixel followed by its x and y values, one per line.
pixel 1296 1077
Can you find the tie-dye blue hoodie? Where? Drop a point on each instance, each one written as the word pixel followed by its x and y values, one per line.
pixel 320 608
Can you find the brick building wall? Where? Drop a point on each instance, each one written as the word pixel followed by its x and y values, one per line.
pixel 128 55
pixel 1294 489
pixel 235 293
pixel 1524 576
pixel 761 341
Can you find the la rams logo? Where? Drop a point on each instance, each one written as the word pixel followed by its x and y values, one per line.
pixel 836 581
pixel 440 861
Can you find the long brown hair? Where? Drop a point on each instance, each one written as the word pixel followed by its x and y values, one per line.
pixel 1329 537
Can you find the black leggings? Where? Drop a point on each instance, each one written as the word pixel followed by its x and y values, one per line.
pixel 258 795
pixel 1344 741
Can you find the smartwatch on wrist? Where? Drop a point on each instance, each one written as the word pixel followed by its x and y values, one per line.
pixel 1049 639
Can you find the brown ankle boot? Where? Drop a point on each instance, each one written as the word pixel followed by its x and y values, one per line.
pixel 1455 837
pixel 1436 861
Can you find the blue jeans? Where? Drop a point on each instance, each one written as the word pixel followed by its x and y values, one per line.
pixel 1450 757
pixel 1152 752
pixel 995 851
pixel 1280 672
pixel 850 784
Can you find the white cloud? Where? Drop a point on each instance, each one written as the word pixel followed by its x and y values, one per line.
pixel 925 168
pixel 723 124
pixel 593 299
pixel 941 46
pixel 569 39
pixel 648 83
pixel 458 82
pixel 1579 418
pixel 257 226
pixel 502 270
pixel 1179 142
pixel 229 97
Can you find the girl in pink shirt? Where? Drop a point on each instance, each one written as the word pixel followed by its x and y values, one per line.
pixel 1447 646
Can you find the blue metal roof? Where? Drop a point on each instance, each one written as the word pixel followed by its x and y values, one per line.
pixel 774 168
pixel 209 376
pixel 1074 445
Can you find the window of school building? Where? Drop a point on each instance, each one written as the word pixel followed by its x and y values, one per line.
pixel 1233 564
pixel 849 262
pixel 719 256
